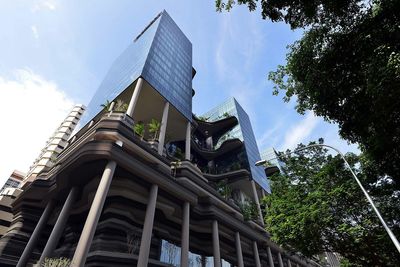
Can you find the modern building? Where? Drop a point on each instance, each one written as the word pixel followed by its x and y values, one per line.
pixel 8 193
pixel 272 157
pixel 13 181
pixel 56 143
pixel 139 184
pixel 7 197
pixel 244 132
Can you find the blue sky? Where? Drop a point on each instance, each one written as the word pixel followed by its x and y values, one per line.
pixel 55 53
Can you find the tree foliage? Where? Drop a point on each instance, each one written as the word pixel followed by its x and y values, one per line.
pixel 301 13
pixel 346 68
pixel 351 76
pixel 317 206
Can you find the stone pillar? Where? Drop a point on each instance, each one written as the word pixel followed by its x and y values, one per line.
pixel 280 259
pixel 187 142
pixel 23 260
pixel 185 235
pixel 289 263
pixel 111 108
pixel 163 128
pixel 239 254
pixel 209 143
pixel 92 219
pixel 216 252
pixel 256 255
pixel 270 259
pixel 145 243
pixel 60 225
pixel 135 97
pixel 203 261
pixel 262 193
pixel 255 195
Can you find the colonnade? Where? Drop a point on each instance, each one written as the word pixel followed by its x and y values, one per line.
pixel 92 219
pixel 96 208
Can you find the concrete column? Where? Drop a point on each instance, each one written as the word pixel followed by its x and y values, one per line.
pixel 23 260
pixel 262 193
pixel 203 261
pixel 255 195
pixel 289 263
pixel 209 143
pixel 185 235
pixel 135 97
pixel 187 142
pixel 256 255
pixel 148 227
pixel 280 259
pixel 163 129
pixel 215 236
pixel 111 108
pixel 239 254
pixel 60 225
pixel 92 219
pixel 270 259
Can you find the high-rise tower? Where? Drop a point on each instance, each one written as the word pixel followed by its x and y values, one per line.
pixel 162 55
pixel 56 143
pixel 138 184
pixel 244 132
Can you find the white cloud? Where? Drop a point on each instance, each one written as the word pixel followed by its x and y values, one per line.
pixel 270 137
pixel 300 131
pixel 33 108
pixel 44 5
pixel 35 31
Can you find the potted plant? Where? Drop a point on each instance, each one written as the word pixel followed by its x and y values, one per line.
pixel 121 106
pixel 138 128
pixel 154 129
pixel 224 189
pixel 106 106
pixel 56 262
pixel 249 210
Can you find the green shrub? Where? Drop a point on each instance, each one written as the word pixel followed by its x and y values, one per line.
pixel 56 262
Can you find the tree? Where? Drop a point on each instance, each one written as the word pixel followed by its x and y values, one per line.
pixel 317 206
pixel 301 13
pixel 154 128
pixel 346 68
pixel 138 128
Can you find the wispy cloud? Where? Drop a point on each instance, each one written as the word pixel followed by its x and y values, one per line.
pixel 300 131
pixel 238 47
pixel 35 31
pixel 35 107
pixel 270 137
pixel 44 5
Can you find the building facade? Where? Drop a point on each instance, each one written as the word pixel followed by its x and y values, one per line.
pixel 56 143
pixel 244 132
pixel 13 181
pixel 162 55
pixel 137 186
pixel 272 157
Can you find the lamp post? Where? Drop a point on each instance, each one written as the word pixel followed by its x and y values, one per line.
pixel 389 232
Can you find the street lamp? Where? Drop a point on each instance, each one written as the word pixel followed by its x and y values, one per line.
pixel 389 232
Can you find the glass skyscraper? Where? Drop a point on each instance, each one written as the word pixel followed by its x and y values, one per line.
pixel 162 55
pixel 271 156
pixel 242 131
